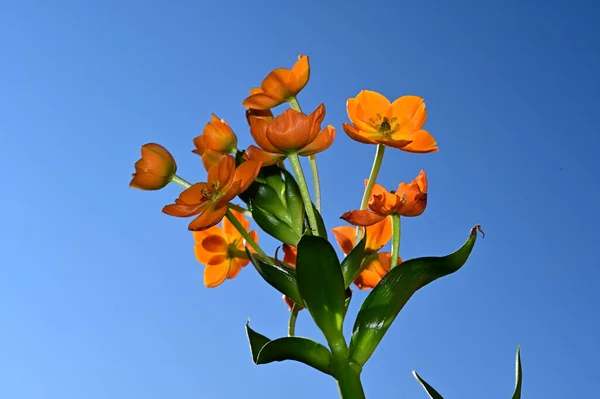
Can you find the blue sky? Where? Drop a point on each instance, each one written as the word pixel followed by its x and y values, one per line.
pixel 100 293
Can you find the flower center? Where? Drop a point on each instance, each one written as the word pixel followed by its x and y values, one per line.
pixel 212 193
pixel 384 125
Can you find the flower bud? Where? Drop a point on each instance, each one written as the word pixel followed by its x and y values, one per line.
pixel 155 169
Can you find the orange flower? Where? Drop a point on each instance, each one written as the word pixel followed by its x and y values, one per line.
pixel 374 265
pixel 221 250
pixel 209 200
pixel 398 124
pixel 378 266
pixel 155 169
pixel 217 136
pixel 290 132
pixel 409 200
pixel 280 86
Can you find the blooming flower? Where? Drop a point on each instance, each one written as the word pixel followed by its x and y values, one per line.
pixel 408 200
pixel 155 169
pixel 209 200
pixel 217 137
pixel 221 250
pixel 375 265
pixel 289 132
pixel 399 124
pixel 279 86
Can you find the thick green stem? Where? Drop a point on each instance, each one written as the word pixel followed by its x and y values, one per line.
pixel 372 178
pixel 349 384
pixel 180 182
pixel 310 213
pixel 240 209
pixel 292 321
pixel 236 223
pixel 395 240
pixel 313 161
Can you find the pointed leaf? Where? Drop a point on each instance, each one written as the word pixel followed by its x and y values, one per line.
pixel 385 301
pixel 274 226
pixel 257 341
pixel 351 264
pixel 268 200
pixel 519 376
pixel 280 277
pixel 321 285
pixel 433 394
pixel 303 350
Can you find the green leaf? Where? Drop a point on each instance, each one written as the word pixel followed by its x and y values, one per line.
pixel 257 341
pixel 268 200
pixel 293 202
pixel 519 376
pixel 433 394
pixel 280 277
pixel 352 261
pixel 274 226
pixel 303 350
pixel 347 300
pixel 385 301
pixel 321 285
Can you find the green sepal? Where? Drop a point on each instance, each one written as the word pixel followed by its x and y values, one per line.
pixel 385 301
pixel 280 277
pixel 321 285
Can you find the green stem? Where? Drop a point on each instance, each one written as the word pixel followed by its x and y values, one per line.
pixel 240 209
pixel 372 178
pixel 236 223
pixel 349 383
pixel 317 183
pixel 292 321
pixel 180 182
pixel 313 161
pixel 310 213
pixel 238 253
pixel 395 240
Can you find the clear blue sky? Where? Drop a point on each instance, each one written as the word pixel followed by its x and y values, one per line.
pixel 100 293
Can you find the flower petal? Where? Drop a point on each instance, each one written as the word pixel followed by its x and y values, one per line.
pixel 210 217
pixel 399 144
pixel 266 158
pixel 344 235
pixel 422 142
pixel 322 142
pixel 235 267
pixel 258 130
pixel 379 234
pixel 289 131
pixel 214 275
pixel 410 113
pixel 371 104
pixel 362 217
pixel 222 172
pixel 289 254
pixel 261 101
pixel 301 72
pixel 246 173
pixel 214 244
pixel 232 233
pixel 357 135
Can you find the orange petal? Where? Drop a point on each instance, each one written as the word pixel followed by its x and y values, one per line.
pixel 316 118
pixel 254 236
pixel 289 255
pixel 301 72
pixel 208 218
pixel 422 142
pixel 231 193
pixel 410 113
pixel 379 234
pixel 258 130
pixel 399 144
pixel 266 158
pixel 385 204
pixel 277 84
pixel 214 243
pixel 367 279
pixel 223 172
pixel 362 217
pixel 322 142
pixel 372 103
pixel 236 266
pixel 216 274
pixel 261 101
pixel 289 131
pixel 231 232
pixel 246 173
pixel 344 235
pixel 209 158
pixel 200 146
pixel 357 135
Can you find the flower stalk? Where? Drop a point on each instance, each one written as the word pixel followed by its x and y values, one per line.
pixel 249 240
pixel 180 182
pixel 372 179
pixel 292 321
pixel 310 213
pixel 395 240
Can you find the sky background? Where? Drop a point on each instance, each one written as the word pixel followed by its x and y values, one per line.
pixel 100 293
